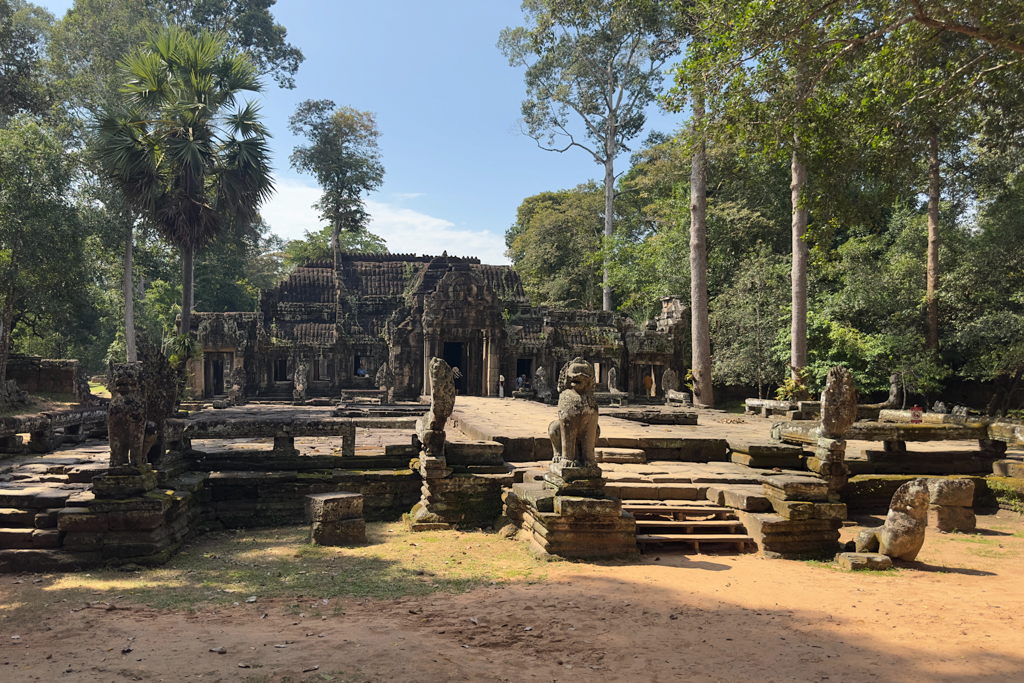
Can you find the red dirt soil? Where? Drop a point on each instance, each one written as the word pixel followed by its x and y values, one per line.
pixel 956 616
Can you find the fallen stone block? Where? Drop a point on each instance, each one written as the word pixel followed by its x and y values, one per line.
pixel 952 518
pixel 343 532
pixel 872 561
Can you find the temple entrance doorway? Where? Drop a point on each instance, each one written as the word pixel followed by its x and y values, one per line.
pixel 217 365
pixel 524 366
pixel 455 356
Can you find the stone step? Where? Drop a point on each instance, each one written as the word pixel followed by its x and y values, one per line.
pixel 643 491
pixel 696 539
pixel 634 456
pixel 694 524
pixel 681 511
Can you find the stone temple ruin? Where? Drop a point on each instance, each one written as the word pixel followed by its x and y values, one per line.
pixel 303 435
pixel 334 331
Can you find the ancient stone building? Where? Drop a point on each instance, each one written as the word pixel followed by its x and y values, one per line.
pixel 337 327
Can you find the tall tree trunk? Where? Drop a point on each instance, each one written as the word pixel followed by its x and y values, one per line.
pixel 129 306
pixel 334 246
pixel 187 285
pixel 703 393
pixel 7 323
pixel 934 192
pixel 609 210
pixel 798 329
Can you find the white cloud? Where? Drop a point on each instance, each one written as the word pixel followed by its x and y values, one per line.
pixel 290 214
pixel 290 211
pixel 403 196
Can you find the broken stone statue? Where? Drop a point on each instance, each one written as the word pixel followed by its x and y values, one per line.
pixel 838 413
pixel 902 535
pixel 430 427
pixel 300 380
pixel 669 381
pixel 541 388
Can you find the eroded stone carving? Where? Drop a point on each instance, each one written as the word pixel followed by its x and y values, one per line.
pixel 574 434
pixel 300 380
pixel 902 535
pixel 838 403
pixel 669 381
pixel 159 390
pixel 385 379
pixel 613 381
pixel 126 416
pixel 540 384
pixel 430 427
pixel 236 394
pixel 838 413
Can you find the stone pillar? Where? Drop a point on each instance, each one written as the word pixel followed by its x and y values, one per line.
pixel 430 339
pixel 490 365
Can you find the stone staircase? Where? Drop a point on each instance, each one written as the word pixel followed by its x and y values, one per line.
pixel 33 493
pixel 692 524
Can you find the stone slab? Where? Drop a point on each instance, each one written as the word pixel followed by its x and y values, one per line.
pixel 633 456
pixel 572 506
pixel 794 487
pixel 536 494
pixel 871 561
pixel 765 449
pixel 474 453
pixel 767 462
pixel 333 507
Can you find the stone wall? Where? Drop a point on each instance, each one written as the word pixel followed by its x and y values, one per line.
pixel 35 374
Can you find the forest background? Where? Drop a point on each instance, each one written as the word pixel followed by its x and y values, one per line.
pixel 909 134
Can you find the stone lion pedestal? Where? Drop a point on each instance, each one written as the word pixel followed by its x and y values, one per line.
pixel 568 514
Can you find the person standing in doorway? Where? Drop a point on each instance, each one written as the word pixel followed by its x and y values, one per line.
pixel 648 384
pixel 501 386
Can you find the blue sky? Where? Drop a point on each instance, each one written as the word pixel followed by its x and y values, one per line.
pixel 447 106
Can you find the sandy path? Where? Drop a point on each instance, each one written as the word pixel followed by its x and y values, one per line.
pixel 954 617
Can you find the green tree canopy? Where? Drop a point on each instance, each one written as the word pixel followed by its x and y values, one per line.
pixel 344 156
pixel 180 148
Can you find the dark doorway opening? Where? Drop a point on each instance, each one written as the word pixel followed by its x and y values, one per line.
pixel 524 366
pixel 281 370
pixel 454 356
pixel 218 377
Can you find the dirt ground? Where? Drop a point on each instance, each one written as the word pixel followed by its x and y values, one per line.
pixel 460 606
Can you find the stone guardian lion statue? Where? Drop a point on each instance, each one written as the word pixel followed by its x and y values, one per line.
pixel 126 417
pixel 574 434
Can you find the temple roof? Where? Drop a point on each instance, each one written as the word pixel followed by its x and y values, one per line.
pixel 390 276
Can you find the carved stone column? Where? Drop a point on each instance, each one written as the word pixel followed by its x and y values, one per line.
pixel 430 339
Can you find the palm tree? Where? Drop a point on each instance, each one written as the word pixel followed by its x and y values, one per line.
pixel 180 149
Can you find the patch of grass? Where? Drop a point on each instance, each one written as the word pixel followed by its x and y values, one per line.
pixel 974 538
pixel 822 564
pixel 221 568
pixel 40 402
pixel 99 389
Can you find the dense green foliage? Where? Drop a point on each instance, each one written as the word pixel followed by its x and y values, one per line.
pixel 863 94
pixel 64 223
